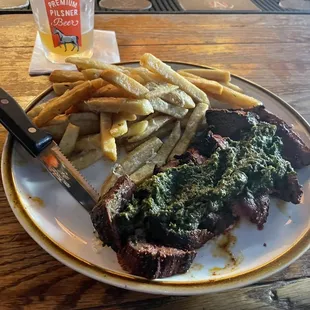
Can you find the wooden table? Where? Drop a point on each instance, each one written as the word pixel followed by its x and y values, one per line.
pixel 271 50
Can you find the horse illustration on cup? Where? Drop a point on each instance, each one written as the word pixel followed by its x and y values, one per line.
pixel 64 39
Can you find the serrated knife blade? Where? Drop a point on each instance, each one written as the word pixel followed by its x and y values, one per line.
pixel 40 144
pixel 68 176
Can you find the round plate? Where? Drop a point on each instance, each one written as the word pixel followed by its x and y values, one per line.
pixel 245 255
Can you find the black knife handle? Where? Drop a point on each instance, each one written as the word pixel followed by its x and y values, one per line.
pixel 15 120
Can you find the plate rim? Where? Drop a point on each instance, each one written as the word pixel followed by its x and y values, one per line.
pixel 298 248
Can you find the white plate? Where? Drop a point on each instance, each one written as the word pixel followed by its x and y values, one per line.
pixel 63 228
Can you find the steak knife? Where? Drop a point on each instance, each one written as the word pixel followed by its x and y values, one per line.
pixel 40 145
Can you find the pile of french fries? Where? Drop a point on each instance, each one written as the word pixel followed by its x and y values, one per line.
pixel 102 107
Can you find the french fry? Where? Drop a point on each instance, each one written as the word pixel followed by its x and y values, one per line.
pixel 233 87
pixel 60 76
pixel 87 127
pixel 153 125
pixel 91 74
pixel 56 131
pixel 125 82
pixel 87 63
pixel 128 116
pixel 190 129
pixel 35 111
pixel 137 128
pixel 119 126
pixel 136 77
pixel 236 99
pixel 64 102
pixel 61 88
pixel 156 65
pixel 116 105
pixel 85 159
pixel 147 75
pixel 110 90
pixel 158 90
pixel 215 75
pixel 161 157
pixel 87 143
pixel 167 108
pixel 108 144
pixel 83 116
pixel 72 109
pixel 69 139
pixel 206 85
pixel 58 120
pixel 136 158
pixel 179 98
pixel 160 133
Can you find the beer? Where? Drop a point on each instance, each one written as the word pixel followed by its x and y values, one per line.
pixel 65 27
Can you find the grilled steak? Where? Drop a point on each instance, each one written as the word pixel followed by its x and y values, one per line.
pixel 103 215
pixel 255 209
pixel 153 261
pixel 229 123
pixel 294 149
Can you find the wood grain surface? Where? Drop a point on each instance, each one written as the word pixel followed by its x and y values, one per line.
pixel 270 50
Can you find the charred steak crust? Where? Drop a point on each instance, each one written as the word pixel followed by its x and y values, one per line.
pixel 110 205
pixel 229 123
pixel 255 209
pixel 294 149
pixel 153 261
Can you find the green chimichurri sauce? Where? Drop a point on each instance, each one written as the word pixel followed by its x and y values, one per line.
pixel 182 197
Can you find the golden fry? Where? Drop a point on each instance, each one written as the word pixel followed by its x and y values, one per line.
pixel 119 126
pixel 69 139
pixel 87 127
pixel 125 82
pixel 144 152
pixel 85 159
pixel 210 74
pixel 88 63
pixel 153 125
pixel 156 65
pixel 137 128
pixel 161 157
pixel 190 129
pixel 179 98
pixel 110 90
pixel 167 108
pixel 58 120
pixel 161 133
pixel 61 88
pixel 236 99
pixel 64 102
pixel 147 75
pixel 108 144
pixel 91 74
pixel 87 143
pixel 233 87
pixel 128 116
pixel 212 87
pixel 158 90
pixel 60 76
pixel 83 116
pixel 116 105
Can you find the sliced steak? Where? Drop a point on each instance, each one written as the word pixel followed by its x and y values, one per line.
pixel 154 261
pixel 255 209
pixel 213 225
pixel 228 123
pixel 191 156
pixel 207 142
pixel 110 205
pixel 294 149
pixel 290 190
